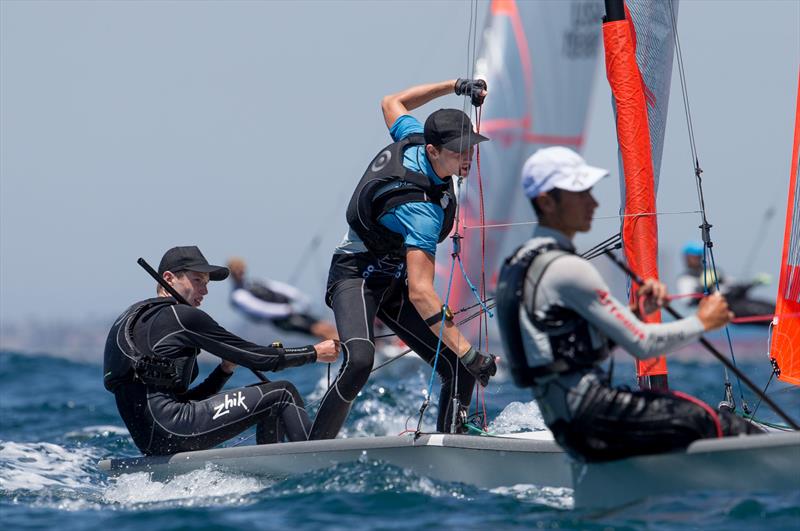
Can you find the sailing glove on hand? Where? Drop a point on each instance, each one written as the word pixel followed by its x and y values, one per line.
pixel 481 366
pixel 472 88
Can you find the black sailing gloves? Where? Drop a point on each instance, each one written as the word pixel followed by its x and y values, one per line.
pixel 472 88
pixel 479 365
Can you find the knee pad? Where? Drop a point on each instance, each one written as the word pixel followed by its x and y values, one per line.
pixel 360 355
pixel 356 368
pixel 290 393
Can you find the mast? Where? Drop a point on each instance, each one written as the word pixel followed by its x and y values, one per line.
pixel 639 75
pixel 785 337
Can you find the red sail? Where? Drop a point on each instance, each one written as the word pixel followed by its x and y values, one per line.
pixel 785 340
pixel 640 229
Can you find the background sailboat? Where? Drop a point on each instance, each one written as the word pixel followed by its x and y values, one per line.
pixel 539 60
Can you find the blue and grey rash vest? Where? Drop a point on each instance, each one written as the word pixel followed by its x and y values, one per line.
pixel 572 283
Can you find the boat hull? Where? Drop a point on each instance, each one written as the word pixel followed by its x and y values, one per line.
pixel 485 462
pixel 769 462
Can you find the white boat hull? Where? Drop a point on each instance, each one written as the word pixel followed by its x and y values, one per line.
pixel 485 462
pixel 769 462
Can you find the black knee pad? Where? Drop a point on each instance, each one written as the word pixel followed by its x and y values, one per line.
pixel 360 356
pixel 287 387
pixel 356 369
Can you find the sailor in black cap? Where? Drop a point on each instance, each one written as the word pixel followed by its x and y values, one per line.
pixel 401 209
pixel 150 360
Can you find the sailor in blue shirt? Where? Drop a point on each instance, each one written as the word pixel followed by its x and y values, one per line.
pixel 419 223
pixel 401 209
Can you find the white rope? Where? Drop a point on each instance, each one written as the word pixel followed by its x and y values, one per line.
pixel 617 216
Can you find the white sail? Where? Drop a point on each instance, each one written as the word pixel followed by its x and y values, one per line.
pixel 539 61
pixel 655 48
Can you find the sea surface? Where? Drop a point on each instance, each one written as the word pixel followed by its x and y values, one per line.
pixel 57 421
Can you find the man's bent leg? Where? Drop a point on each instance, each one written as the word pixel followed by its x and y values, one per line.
pixel 354 306
pixel 614 424
pixel 400 315
pixel 732 424
pixel 203 424
pixel 292 423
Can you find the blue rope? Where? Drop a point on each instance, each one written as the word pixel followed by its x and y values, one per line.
pixel 456 258
pixel 473 289
pixel 441 329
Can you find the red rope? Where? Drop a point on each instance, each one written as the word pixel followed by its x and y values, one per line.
pixel 736 320
pixel 706 407
pixel 482 214
pixel 483 322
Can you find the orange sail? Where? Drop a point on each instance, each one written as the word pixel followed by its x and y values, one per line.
pixel 640 136
pixel 785 340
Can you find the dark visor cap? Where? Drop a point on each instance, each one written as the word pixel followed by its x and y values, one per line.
pixel 190 258
pixel 452 129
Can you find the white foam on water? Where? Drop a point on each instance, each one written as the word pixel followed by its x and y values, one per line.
pixel 555 497
pixel 101 431
pixel 198 488
pixel 379 419
pixel 384 406
pixel 517 417
pixel 36 466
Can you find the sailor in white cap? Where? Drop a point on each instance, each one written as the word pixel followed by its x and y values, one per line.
pixel 559 321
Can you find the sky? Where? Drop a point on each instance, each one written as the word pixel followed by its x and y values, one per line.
pixel 242 127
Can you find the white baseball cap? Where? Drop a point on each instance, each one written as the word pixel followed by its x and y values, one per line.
pixel 558 167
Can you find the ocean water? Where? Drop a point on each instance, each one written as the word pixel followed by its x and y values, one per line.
pixel 57 421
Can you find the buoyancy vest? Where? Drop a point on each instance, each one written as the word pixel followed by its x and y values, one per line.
pixel 567 332
pixel 127 356
pixel 367 205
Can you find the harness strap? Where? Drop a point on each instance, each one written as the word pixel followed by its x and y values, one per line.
pixel 541 262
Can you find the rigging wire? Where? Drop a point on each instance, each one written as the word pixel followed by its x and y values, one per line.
pixel 764 391
pixel 596 218
pixel 614 242
pixel 409 350
pixel 705 227
pixel 483 324
pixel 456 238
pixel 471 34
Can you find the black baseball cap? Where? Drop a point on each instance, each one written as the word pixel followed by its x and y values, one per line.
pixel 189 258
pixel 452 129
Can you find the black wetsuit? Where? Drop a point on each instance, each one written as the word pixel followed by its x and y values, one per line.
pixel 167 419
pixel 361 287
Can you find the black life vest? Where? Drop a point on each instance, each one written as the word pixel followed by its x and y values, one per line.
pixel 128 358
pixel 366 208
pixel 568 332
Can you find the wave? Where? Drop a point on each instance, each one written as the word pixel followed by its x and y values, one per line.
pixel 42 465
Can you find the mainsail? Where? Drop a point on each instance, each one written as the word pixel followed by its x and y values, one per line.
pixel 785 339
pixel 539 60
pixel 639 45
